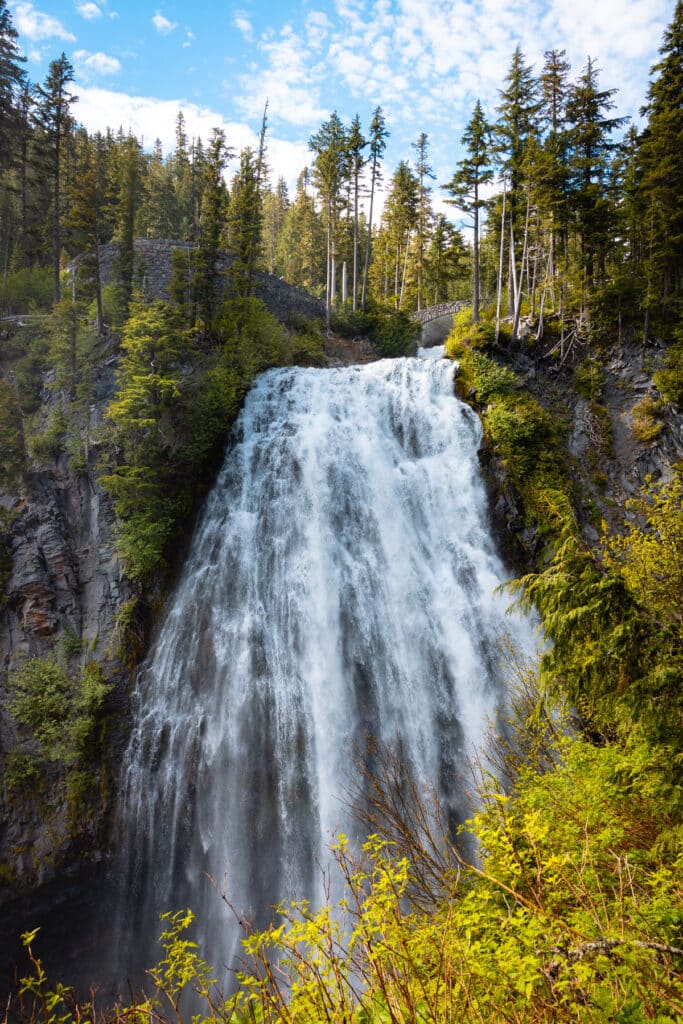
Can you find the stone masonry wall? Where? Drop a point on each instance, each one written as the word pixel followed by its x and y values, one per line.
pixel 153 275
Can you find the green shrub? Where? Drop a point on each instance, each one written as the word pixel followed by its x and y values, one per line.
pixel 20 773
pixel 48 444
pixel 12 453
pixel 489 378
pixel 306 349
pixel 29 370
pixel 58 709
pixel 393 331
pixel 522 431
pixel 648 418
pixel 466 336
pixel 669 379
pixel 589 379
pixel 28 290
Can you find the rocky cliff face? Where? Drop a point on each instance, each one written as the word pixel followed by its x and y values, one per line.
pixel 616 437
pixel 64 595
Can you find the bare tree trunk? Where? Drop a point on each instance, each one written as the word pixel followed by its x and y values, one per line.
pixel 403 275
pixel 518 286
pixel 475 254
pixel 396 266
pixel 5 260
pixel 499 294
pixel 544 289
pixel 328 272
pixel 354 303
pixel 512 290
pixel 368 241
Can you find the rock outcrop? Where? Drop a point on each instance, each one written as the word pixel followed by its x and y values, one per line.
pixel 64 593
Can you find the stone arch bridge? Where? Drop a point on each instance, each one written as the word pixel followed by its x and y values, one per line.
pixel 436 322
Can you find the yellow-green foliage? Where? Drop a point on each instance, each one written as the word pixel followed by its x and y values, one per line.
pixel 47 444
pixel 589 378
pixel 58 709
pixel 669 379
pixel 525 435
pixel 609 654
pixel 465 335
pixel 649 554
pixel 12 454
pixel 177 397
pixel 571 911
pixel 648 418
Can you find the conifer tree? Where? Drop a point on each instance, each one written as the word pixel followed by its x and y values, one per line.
pixel 245 221
pixel 552 171
pixel 445 261
pixel 84 221
pixel 590 148
pixel 12 79
pixel 518 122
pixel 329 170
pixel 275 206
pixel 214 208
pixel 159 212
pixel 356 144
pixel 301 245
pixel 55 124
pixel 398 222
pixel 378 141
pixel 424 209
pixel 474 171
pixel 661 156
pixel 129 190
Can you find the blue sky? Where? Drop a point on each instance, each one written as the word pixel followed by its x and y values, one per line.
pixel 424 61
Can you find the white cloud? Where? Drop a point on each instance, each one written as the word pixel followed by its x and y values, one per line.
pixel 163 25
pixel 89 64
pixel 243 25
pixel 36 25
pixel 289 82
pixel 89 11
pixel 150 118
pixel 318 27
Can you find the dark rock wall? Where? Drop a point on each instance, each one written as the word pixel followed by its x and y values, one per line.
pixel 65 592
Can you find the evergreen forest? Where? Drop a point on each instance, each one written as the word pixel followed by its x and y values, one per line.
pixel 560 897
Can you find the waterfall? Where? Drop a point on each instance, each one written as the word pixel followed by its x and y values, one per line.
pixel 341 584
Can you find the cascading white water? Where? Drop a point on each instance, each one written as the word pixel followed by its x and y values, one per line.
pixel 341 584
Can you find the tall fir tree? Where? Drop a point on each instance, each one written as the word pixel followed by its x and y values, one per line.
pixel 590 152
pixel 473 172
pixel 424 210
pixel 329 144
pixel 12 80
pixel 55 124
pixel 661 158
pixel 379 134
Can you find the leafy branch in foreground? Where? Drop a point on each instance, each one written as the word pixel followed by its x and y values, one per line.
pixel 571 910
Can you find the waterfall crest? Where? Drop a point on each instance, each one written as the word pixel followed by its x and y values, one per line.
pixel 340 584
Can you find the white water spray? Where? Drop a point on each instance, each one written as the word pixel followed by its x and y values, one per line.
pixel 341 584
